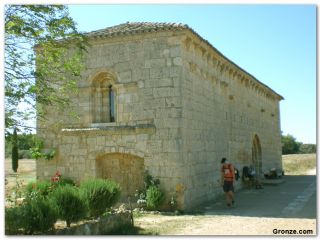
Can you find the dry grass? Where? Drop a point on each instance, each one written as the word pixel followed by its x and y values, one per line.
pixel 299 164
pixel 25 174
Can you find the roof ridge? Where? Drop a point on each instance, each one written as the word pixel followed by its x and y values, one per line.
pixel 128 27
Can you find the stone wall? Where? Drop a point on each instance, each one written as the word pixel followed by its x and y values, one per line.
pixel 145 71
pixel 103 226
pixel 180 107
pixel 223 110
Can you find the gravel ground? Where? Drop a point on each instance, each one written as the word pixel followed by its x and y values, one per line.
pixel 221 225
pixel 209 224
pixel 192 224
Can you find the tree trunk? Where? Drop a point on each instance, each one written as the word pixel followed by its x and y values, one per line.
pixel 15 153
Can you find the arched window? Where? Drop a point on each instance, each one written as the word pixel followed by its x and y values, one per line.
pixel 103 97
pixel 112 115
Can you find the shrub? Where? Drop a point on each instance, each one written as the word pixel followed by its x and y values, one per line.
pixel 66 181
pixel 154 197
pixel 149 180
pixel 12 220
pixel 38 188
pixel 24 154
pixel 38 215
pixel 100 195
pixel 71 206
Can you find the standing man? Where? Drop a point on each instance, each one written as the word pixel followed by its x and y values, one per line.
pixel 227 180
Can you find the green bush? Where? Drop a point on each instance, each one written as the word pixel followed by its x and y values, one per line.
pixel 71 206
pixel 12 220
pixel 38 215
pixel 64 181
pixel 24 154
pixel 154 197
pixel 38 188
pixel 100 195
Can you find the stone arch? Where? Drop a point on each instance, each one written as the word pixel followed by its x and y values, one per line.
pixel 256 154
pixel 103 97
pixel 125 169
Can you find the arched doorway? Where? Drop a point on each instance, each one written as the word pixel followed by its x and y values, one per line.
pixel 256 154
pixel 125 169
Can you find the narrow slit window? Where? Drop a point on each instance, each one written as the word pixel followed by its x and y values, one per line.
pixel 111 104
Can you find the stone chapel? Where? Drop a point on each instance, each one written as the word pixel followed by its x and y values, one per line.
pixel 159 97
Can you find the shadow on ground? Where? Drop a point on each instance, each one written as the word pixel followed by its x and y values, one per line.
pixel 294 198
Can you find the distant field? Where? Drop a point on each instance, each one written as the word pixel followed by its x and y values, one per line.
pixel 26 173
pixel 299 164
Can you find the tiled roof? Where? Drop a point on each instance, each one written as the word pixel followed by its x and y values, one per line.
pixel 129 28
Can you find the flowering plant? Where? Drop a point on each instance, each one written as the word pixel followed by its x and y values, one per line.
pixel 56 177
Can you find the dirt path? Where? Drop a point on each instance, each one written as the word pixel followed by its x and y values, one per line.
pixel 221 225
pixel 288 206
pixel 312 172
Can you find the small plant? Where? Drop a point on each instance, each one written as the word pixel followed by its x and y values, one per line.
pixel 38 188
pixel 37 215
pixel 17 193
pixel 141 196
pixel 100 194
pixel 59 180
pixel 13 220
pixel 151 196
pixel 154 197
pixel 173 203
pixel 71 206
pixel 43 188
pixel 37 150
pixel 49 154
pixel 149 180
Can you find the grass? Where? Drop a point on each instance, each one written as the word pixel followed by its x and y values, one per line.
pixel 298 164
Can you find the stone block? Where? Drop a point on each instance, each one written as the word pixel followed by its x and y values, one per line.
pixel 171 146
pixel 154 146
pixel 177 61
pixel 175 71
pixel 165 82
pixel 175 51
pixel 125 76
pixel 154 63
pixel 140 84
pixel 163 92
pixel 160 72
pixel 174 41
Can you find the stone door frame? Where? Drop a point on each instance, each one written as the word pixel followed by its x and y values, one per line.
pixel 256 154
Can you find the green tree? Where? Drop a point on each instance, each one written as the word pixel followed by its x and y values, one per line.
pixel 289 145
pixel 308 148
pixel 25 141
pixel 40 69
pixel 15 153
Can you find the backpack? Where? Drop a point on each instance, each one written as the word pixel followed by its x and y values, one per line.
pixel 228 174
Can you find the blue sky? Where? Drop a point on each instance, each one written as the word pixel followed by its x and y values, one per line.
pixel 274 43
